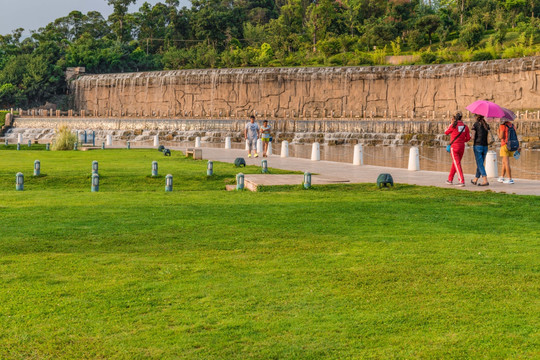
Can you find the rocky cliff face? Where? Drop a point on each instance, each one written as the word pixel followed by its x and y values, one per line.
pixel 311 93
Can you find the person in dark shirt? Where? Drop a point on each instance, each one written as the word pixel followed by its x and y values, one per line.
pixel 481 133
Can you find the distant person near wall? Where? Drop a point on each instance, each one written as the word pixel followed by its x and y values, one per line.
pixel 507 135
pixel 265 136
pixel 251 135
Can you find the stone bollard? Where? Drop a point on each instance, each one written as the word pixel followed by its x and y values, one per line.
pixel 269 150
pixel 240 181
pixel 264 167
pixel 18 146
pixel 210 168
pixel 75 146
pixel 156 141
pixel 109 140
pixel 95 167
pixel 19 138
pixel 247 145
pixel 128 145
pixel 307 180
pixel 103 145
pixel 7 142
pixel 284 149
pixel 315 152
pixel 259 146
pixel 29 143
pixel 198 142
pixel 37 168
pixel 228 143
pixel 154 168
pixel 48 147
pixel 358 155
pixel 19 181
pixel 168 183
pixel 95 182
pixel 414 159
pixel 491 164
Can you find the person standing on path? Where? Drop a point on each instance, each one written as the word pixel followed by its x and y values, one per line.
pixel 265 136
pixel 251 135
pixel 459 135
pixel 505 153
pixel 481 133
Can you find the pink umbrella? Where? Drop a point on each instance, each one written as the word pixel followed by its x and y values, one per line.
pixel 486 108
pixel 509 115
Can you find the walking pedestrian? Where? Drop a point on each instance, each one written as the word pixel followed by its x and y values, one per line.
pixel 251 135
pixel 459 135
pixel 504 130
pixel 480 147
pixel 265 136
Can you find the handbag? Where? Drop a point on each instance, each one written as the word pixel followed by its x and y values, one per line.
pixel 448 147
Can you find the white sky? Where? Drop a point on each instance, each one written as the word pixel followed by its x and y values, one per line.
pixel 33 14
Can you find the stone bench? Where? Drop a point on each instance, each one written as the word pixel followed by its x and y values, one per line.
pixel 195 153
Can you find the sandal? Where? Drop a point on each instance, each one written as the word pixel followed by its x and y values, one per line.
pixel 474 182
pixel 484 184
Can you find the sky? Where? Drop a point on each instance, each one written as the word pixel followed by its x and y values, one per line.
pixel 33 14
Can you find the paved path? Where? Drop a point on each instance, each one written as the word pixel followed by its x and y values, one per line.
pixel 369 173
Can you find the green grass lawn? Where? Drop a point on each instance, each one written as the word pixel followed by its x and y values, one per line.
pixel 344 271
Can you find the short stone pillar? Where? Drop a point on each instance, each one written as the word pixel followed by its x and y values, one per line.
pixel 9 119
pixel 269 149
pixel 414 159
pixel 109 140
pixel 7 142
pixel 95 182
pixel 259 146
pixel 19 138
pixel 240 181
pixel 210 168
pixel 103 145
pixel 307 180
pixel 247 145
pixel 154 168
pixel 19 181
pixel 37 168
pixel 198 142
pixel 75 146
pixel 264 166
pixel 128 145
pixel 95 167
pixel 358 155
pixel 284 149
pixel 18 146
pixel 168 183
pixel 29 143
pixel 156 140
pixel 316 152
pixel 228 143
pixel 48 146
pixel 491 164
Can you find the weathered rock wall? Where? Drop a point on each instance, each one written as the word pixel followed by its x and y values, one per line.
pixel 342 92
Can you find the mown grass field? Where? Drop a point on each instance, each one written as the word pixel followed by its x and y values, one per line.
pixel 335 272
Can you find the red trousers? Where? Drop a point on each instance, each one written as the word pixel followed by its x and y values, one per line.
pixel 456 151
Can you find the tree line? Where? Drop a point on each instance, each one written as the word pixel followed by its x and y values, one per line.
pixel 248 33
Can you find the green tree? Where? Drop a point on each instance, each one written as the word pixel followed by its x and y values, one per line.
pixel 120 19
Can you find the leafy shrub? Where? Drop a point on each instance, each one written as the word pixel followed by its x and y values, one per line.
pixel 429 57
pixel 471 34
pixel 481 56
pixel 64 139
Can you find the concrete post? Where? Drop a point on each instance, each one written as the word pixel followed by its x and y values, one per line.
pixel 109 140
pixel 103 145
pixel 37 168
pixel 316 152
pixel 19 181
pixel 156 141
pixel 198 142
pixel 154 168
pixel 210 168
pixel 269 150
pixel 264 166
pixel 168 183
pixel 259 146
pixel 307 180
pixel 7 142
pixel 358 155
pixel 18 146
pixel 228 142
pixel 414 159
pixel 128 145
pixel 19 138
pixel 284 149
pixel 48 147
pixel 75 146
pixel 95 167
pixel 247 145
pixel 29 143
pixel 95 182
pixel 491 164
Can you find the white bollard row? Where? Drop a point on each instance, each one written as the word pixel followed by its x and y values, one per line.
pixel 269 150
pixel 156 141
pixel 19 139
pixel 198 142
pixel 414 159
pixel 284 149
pixel 259 146
pixel 228 143
pixel 315 152
pixel 491 164
pixel 247 145
pixel 358 156
pixel 109 140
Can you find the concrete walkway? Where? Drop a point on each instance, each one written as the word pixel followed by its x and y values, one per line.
pixel 340 172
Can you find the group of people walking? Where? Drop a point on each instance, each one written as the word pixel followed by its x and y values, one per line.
pixel 460 134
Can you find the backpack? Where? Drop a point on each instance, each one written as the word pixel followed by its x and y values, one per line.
pixel 239 162
pixel 512 143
